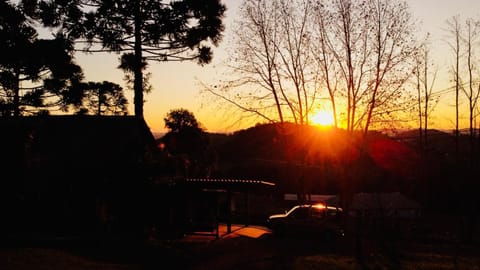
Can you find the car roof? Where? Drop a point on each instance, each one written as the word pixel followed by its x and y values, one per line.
pixel 312 205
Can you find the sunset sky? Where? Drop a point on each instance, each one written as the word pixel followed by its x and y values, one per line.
pixel 176 85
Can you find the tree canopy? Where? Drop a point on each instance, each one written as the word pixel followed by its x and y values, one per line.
pixel 147 30
pixel 38 76
pixel 105 98
pixel 179 120
pixel 291 58
pixel 187 142
pixel 34 73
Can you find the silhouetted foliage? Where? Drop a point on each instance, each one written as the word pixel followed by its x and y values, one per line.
pixel 103 98
pixel 45 64
pixel 179 120
pixel 188 143
pixel 147 30
pixel 39 75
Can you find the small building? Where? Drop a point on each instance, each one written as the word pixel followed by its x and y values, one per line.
pixel 72 174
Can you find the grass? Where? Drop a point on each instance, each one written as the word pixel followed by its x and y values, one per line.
pixel 47 259
pixel 417 261
pixel 262 253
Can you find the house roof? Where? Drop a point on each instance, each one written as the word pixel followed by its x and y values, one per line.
pixel 229 184
pixel 73 141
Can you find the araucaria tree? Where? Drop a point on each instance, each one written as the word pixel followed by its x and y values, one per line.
pixel 105 98
pixel 35 74
pixel 141 30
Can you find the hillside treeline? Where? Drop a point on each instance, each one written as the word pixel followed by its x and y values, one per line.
pixel 307 159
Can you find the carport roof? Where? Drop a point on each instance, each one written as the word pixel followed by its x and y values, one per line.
pixel 229 181
pixel 229 184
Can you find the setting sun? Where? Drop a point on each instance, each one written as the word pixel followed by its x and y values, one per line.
pixel 323 118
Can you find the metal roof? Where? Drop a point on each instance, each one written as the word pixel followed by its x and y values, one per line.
pixel 229 181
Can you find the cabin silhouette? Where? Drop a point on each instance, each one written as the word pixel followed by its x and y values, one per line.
pixel 67 174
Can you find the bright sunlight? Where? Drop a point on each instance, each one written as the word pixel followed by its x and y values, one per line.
pixel 323 118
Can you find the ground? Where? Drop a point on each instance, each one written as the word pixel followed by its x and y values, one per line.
pixel 244 248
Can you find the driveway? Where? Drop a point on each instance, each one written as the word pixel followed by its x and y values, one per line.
pixel 236 230
pixel 252 247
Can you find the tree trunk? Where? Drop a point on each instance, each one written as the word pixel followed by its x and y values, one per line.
pixel 138 75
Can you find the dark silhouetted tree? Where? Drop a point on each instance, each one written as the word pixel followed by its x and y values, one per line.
pixel 179 120
pixel 187 141
pixel 148 30
pixel 105 98
pixel 34 73
pixel 426 100
pixel 455 30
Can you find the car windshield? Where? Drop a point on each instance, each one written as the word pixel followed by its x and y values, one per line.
pixel 317 210
pixel 293 210
pixel 302 211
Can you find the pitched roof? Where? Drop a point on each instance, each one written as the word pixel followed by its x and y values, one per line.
pixel 74 141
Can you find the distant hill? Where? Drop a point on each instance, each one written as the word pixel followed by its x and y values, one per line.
pixel 320 157
pixel 324 161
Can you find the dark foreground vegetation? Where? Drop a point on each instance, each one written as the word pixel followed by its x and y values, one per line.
pixel 267 252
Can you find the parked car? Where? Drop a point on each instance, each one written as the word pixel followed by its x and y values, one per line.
pixel 309 220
